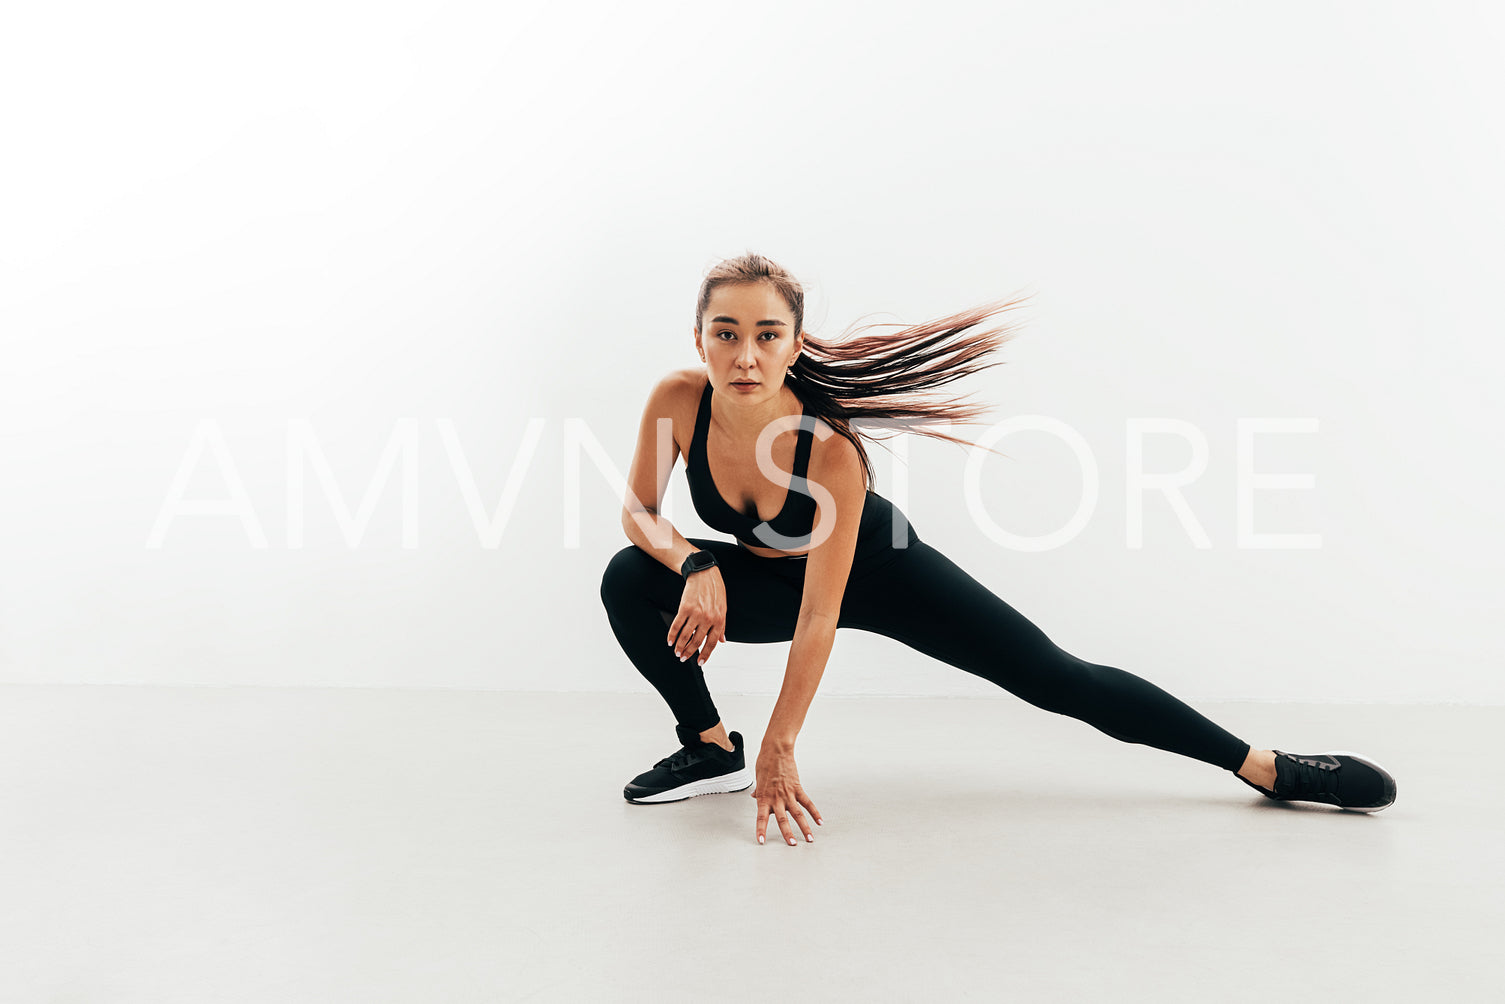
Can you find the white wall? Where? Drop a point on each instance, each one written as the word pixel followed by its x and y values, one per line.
pixel 395 220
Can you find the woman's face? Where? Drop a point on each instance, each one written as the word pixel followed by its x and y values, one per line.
pixel 748 340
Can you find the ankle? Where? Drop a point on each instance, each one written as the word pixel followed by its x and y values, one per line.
pixel 717 734
pixel 1259 768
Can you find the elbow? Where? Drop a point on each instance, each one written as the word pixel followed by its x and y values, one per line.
pixel 641 520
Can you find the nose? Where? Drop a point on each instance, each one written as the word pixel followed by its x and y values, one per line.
pixel 746 356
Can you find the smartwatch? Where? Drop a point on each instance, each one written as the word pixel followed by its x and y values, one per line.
pixel 697 562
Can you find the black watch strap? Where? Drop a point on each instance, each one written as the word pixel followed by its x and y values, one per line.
pixel 698 561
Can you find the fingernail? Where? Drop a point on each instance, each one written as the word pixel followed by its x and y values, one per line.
pixel 700 662
pixel 809 839
pixel 760 838
pixel 791 841
pixel 683 658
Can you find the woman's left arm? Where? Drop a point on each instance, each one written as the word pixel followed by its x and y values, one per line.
pixel 836 482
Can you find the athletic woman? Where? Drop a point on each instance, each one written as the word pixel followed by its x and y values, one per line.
pixel 817 550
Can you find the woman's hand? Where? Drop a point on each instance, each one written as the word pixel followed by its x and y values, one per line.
pixel 778 790
pixel 701 620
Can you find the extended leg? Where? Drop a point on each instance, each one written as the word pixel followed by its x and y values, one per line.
pixel 926 601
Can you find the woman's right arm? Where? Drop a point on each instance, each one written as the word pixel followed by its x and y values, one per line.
pixel 648 479
pixel 700 624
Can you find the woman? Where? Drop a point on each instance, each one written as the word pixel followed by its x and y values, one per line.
pixel 820 550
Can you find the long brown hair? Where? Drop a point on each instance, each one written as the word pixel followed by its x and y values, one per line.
pixel 875 376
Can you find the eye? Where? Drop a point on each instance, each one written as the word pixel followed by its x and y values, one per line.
pixel 771 334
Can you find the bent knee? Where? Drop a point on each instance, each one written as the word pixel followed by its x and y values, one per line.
pixel 624 573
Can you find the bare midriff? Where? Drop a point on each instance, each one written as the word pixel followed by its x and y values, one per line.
pixel 769 552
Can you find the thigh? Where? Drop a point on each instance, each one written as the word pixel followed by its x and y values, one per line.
pixel 925 600
pixel 762 594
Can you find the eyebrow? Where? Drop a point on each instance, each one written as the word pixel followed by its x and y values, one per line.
pixel 761 324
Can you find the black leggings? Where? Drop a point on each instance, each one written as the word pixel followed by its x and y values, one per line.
pixel 915 595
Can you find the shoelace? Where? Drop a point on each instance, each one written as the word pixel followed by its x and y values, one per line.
pixel 677 759
pixel 680 757
pixel 1312 780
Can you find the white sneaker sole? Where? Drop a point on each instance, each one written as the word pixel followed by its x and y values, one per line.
pixel 739 780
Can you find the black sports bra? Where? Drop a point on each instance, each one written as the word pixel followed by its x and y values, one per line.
pixel 793 522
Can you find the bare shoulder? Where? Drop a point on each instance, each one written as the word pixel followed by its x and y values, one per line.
pixel 674 388
pixel 679 391
pixel 836 458
pixel 684 388
pixel 688 380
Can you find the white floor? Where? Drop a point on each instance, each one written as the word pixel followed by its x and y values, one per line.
pixel 164 845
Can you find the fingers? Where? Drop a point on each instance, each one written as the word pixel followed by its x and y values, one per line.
pixel 777 806
pixel 681 631
pixel 710 646
pixel 687 637
pixel 687 641
pixel 784 827
pixel 801 822
pixel 799 793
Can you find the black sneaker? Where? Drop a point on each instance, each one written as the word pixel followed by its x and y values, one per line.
pixel 696 768
pixel 1337 777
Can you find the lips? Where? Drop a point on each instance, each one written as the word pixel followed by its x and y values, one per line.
pixel 744 383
